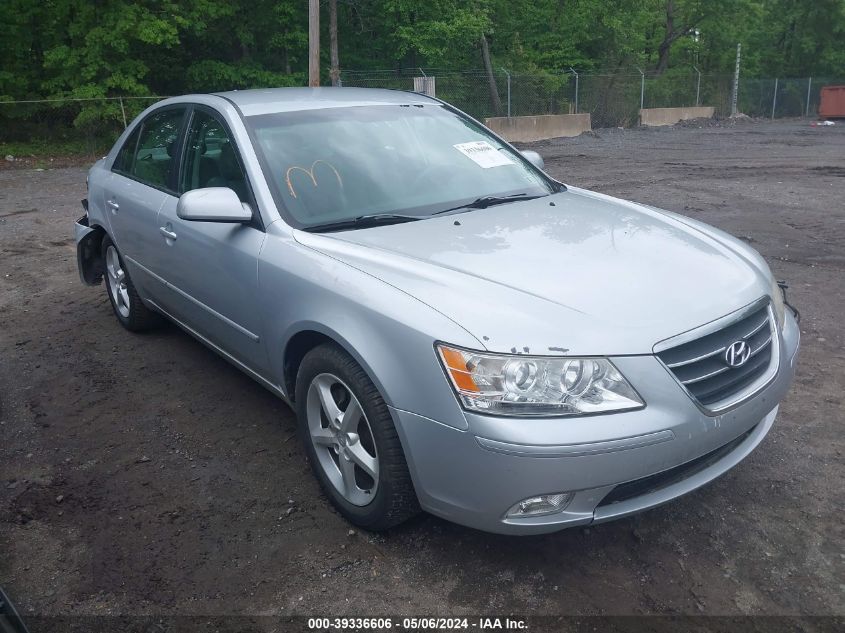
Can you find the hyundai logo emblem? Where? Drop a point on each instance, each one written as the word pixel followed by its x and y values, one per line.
pixel 737 354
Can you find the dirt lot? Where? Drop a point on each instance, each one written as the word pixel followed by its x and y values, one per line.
pixel 140 474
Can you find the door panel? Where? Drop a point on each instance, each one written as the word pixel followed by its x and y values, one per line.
pixel 211 268
pixel 136 189
pixel 132 209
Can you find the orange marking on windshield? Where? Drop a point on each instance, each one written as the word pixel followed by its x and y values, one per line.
pixel 310 174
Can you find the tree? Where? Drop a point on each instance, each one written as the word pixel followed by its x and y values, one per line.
pixel 491 77
pixel 138 47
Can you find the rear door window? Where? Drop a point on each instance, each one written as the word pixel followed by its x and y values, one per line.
pixel 156 147
pixel 126 155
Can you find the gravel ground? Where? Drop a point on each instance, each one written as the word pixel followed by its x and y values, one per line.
pixel 141 474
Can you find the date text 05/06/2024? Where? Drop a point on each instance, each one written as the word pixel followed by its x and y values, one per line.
pixel 416 623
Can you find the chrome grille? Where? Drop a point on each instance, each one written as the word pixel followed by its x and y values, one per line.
pixel 701 367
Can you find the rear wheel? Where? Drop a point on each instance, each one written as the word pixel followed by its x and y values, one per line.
pixel 351 442
pixel 127 305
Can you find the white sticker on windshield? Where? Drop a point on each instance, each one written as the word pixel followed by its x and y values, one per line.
pixel 484 154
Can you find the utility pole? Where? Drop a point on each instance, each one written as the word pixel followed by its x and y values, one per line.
pixel 576 88
pixel 735 91
pixel 313 43
pixel 697 87
pixel 775 98
pixel 509 91
pixel 809 87
pixel 333 54
pixel 642 88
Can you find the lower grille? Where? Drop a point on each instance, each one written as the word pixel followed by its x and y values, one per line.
pixel 701 365
pixel 653 483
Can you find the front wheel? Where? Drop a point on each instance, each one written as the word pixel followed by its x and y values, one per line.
pixel 351 441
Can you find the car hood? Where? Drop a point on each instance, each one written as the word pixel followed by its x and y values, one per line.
pixel 576 272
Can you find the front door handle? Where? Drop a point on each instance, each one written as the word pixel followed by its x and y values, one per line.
pixel 167 233
pixel 114 206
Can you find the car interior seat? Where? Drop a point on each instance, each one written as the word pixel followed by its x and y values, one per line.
pixel 229 172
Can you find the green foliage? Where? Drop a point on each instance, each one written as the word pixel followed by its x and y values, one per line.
pixel 211 75
pixel 81 49
pixel 437 31
pixel 51 147
pixel 77 48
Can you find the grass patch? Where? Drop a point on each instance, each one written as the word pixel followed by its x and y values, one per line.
pixel 49 148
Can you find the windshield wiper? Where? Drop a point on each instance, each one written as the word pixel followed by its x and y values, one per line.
pixel 363 221
pixel 381 219
pixel 488 201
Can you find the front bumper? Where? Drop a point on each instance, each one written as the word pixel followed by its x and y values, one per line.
pixel 472 477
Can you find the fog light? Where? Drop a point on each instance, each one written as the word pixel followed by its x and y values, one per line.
pixel 540 505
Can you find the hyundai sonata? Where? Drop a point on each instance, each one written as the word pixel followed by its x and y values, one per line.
pixel 457 331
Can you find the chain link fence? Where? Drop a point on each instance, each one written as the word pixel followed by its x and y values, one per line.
pixel 508 94
pixel 613 100
pixel 511 94
pixel 777 98
pixel 88 127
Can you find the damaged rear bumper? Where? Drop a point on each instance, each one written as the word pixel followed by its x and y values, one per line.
pixel 88 241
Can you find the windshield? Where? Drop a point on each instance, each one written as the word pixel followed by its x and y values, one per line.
pixel 334 164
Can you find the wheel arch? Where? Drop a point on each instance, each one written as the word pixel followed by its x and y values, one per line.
pixel 89 258
pixel 309 336
pixel 295 350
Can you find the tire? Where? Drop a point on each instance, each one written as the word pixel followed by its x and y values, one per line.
pixel 124 299
pixel 372 503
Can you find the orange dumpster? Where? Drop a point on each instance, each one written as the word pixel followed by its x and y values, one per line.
pixel 832 102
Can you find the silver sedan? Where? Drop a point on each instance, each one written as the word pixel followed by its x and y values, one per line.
pixel 456 331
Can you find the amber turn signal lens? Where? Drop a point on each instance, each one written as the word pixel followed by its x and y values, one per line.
pixel 458 370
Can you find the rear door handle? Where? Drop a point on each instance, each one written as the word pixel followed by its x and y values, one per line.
pixel 167 233
pixel 114 206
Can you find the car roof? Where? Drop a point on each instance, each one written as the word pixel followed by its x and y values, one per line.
pixel 273 100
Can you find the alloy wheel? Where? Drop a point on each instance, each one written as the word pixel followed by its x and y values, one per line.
pixel 342 439
pixel 116 279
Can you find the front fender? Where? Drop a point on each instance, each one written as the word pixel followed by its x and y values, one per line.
pixel 388 332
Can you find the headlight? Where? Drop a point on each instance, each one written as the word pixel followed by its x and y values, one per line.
pixel 536 385
pixel 778 303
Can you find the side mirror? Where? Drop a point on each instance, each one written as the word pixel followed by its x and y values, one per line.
pixel 534 158
pixel 213 204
